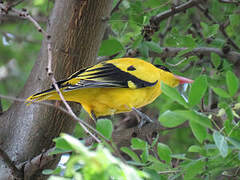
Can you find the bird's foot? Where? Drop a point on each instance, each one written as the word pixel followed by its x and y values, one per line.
pixel 144 119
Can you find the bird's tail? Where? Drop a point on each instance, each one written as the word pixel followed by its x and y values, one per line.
pixel 44 95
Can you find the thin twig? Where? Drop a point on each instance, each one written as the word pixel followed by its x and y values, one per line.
pixel 166 30
pixel 116 7
pixel 174 10
pixel 15 171
pixel 230 2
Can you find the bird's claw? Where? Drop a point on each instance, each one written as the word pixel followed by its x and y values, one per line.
pixel 143 118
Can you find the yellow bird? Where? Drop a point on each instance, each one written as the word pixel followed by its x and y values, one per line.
pixel 114 86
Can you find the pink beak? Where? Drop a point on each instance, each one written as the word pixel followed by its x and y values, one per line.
pixel 183 80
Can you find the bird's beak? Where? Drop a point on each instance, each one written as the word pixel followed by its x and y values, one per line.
pixel 183 80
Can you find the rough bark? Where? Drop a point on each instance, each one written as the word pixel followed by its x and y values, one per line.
pixel 76 29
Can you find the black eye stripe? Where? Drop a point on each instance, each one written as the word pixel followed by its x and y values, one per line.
pixel 131 68
pixel 162 67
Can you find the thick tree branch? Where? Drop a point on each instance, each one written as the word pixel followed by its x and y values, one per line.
pixel 27 130
pixel 38 163
pixel 88 128
pixel 18 174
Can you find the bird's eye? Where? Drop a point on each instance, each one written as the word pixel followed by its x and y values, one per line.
pixel 162 67
pixel 131 68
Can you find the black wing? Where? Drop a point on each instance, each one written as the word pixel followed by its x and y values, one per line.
pixel 103 75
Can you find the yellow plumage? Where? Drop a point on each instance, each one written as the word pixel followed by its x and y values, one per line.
pixel 113 86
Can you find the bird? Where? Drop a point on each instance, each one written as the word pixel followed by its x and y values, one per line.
pixel 114 86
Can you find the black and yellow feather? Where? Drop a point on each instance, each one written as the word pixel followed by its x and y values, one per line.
pixel 112 86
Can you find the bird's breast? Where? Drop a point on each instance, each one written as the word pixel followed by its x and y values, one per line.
pixel 108 101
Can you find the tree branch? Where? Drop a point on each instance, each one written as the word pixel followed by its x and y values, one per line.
pixel 230 2
pixel 15 171
pixel 221 26
pixel 27 130
pixel 168 52
pixel 174 10
pixel 87 127
pixel 38 163
pixel 149 30
pixel 123 136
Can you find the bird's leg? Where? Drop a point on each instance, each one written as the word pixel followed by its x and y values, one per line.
pixel 143 117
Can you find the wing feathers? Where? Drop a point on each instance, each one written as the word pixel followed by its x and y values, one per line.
pixel 103 75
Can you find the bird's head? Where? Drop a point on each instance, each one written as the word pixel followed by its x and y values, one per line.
pixel 169 78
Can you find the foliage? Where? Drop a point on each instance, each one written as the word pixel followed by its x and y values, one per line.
pixel 86 164
pixel 202 136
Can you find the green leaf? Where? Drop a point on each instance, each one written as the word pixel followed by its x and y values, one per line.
pixel 199 131
pixel 130 153
pixel 138 144
pixel 79 132
pixel 187 41
pixel 137 42
pixel 50 171
pixel 74 143
pixel 154 46
pixel 234 19
pixel 194 148
pixel 61 144
pixel 198 90
pixel 171 119
pixel 144 155
pixel 221 143
pixel 38 2
pixel 143 49
pixel 209 31
pixel 216 60
pixel 110 47
pixel 105 127
pixel 232 83
pixel 193 168
pixel 179 156
pixel 229 113
pixel 196 117
pixel 173 94
pixel 164 152
pixel 234 142
pixel 220 92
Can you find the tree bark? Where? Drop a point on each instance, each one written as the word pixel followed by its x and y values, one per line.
pixel 76 28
